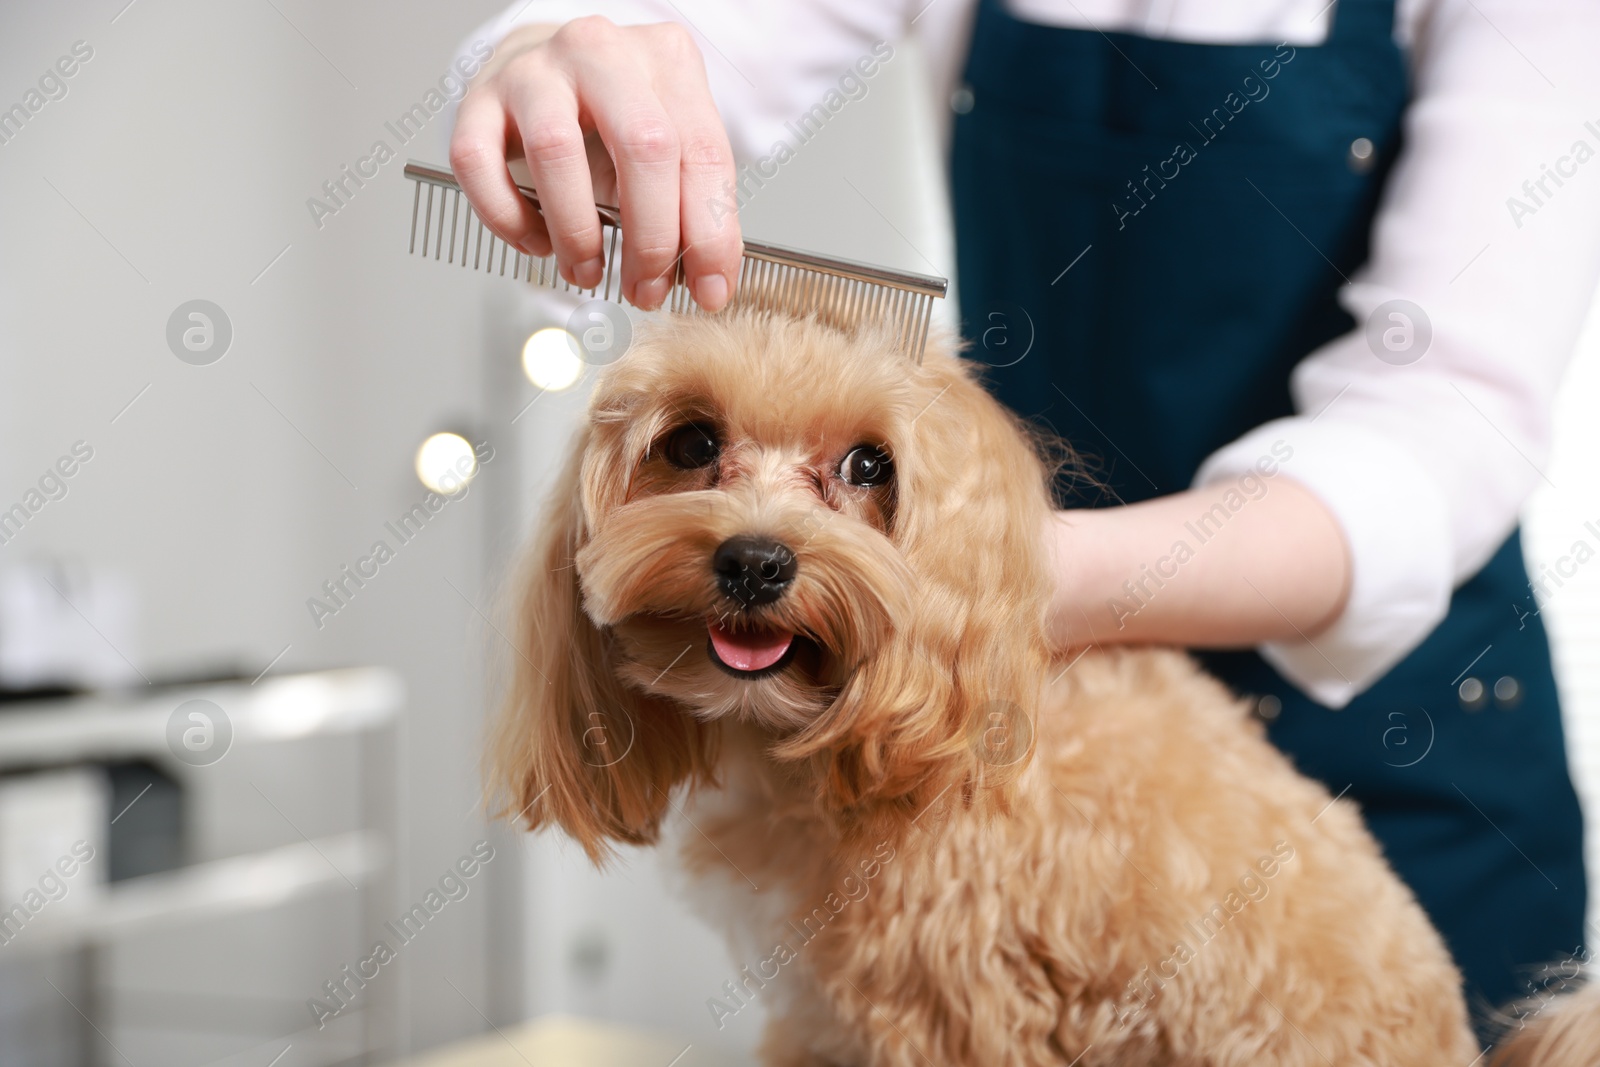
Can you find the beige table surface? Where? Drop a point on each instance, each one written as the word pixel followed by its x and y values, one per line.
pixel 559 1041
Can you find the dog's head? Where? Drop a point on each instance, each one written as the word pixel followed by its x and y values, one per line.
pixel 766 519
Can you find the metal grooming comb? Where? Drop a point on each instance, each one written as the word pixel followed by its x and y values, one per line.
pixel 839 291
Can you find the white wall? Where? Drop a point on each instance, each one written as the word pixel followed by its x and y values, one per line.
pixel 1562 512
pixel 187 148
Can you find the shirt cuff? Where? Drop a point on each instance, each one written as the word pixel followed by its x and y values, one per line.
pixel 1397 529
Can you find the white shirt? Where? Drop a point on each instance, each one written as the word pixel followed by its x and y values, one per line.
pixel 1426 465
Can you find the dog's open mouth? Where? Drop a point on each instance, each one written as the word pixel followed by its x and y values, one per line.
pixel 750 653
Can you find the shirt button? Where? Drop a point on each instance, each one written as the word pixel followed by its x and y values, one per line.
pixel 1473 695
pixel 1269 708
pixel 1362 155
pixel 1508 692
pixel 962 100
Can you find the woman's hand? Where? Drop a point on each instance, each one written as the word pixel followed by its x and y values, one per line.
pixel 621 111
pixel 1199 569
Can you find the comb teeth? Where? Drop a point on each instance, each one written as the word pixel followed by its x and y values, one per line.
pixel 444 227
pixel 840 292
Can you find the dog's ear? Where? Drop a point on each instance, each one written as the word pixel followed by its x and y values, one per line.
pixel 575 747
pixel 948 704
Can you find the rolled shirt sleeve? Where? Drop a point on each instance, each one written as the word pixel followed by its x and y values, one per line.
pixel 1425 443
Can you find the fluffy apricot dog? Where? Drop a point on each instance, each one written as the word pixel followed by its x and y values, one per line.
pixel 790 599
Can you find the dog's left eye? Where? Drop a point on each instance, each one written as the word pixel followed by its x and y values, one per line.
pixel 691 447
pixel 866 465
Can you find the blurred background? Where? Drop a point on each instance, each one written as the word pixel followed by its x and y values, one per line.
pixel 231 765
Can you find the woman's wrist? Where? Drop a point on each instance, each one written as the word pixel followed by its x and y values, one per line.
pixel 1223 566
pixel 1079 564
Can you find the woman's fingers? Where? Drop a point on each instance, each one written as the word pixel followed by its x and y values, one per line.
pixel 478 158
pixel 708 209
pixel 712 245
pixel 643 142
pixel 642 90
pixel 553 148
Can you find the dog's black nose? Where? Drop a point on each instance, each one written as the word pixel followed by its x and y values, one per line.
pixel 754 570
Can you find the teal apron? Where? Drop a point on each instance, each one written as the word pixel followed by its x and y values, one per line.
pixel 1167 294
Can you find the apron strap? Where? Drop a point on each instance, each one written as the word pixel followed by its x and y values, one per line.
pixel 1361 20
pixel 1352 20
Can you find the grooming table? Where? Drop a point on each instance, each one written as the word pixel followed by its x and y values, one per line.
pixel 561 1041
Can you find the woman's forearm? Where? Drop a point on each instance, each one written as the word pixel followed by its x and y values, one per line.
pixel 1230 565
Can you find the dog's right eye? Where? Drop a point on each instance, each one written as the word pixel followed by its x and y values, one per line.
pixel 691 447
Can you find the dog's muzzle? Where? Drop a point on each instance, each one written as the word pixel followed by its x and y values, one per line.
pixel 754 570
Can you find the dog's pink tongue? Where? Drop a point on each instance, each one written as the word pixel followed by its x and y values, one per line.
pixel 749 650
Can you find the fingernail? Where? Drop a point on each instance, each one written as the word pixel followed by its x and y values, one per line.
pixel 588 272
pixel 649 294
pixel 711 292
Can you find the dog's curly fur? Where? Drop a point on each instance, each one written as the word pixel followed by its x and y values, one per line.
pixel 973 851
